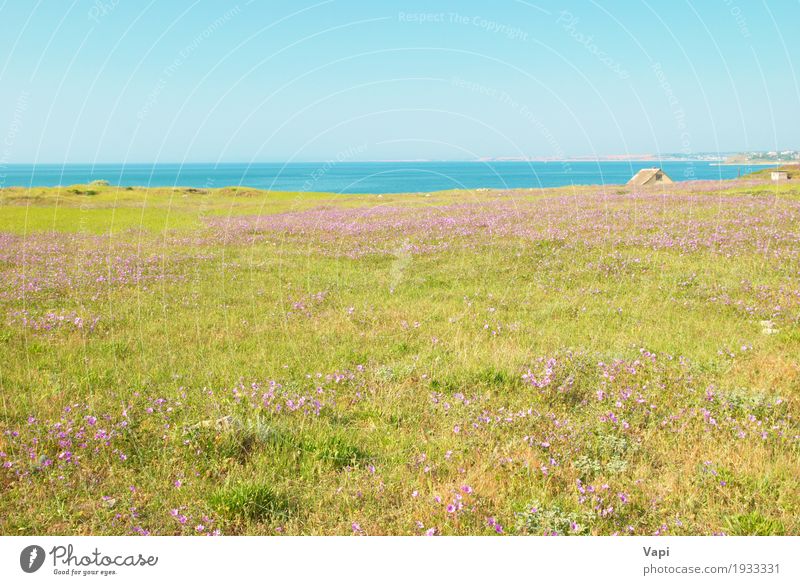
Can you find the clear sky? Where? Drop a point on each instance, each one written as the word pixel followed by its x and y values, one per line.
pixel 308 80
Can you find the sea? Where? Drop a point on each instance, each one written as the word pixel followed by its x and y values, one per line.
pixel 362 177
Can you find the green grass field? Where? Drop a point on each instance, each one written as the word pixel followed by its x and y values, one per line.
pixel 567 361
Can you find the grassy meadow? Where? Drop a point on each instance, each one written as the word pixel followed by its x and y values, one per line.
pixel 568 361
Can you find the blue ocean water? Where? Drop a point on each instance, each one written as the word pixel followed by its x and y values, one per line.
pixel 360 177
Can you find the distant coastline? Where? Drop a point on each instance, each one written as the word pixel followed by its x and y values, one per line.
pixel 366 177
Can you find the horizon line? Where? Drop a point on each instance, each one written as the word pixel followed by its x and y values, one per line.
pixel 602 158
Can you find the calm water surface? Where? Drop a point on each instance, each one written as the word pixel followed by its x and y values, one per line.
pixel 359 177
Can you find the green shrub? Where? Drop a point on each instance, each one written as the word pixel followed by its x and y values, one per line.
pixel 753 524
pixel 336 451
pixel 250 501
pixel 537 519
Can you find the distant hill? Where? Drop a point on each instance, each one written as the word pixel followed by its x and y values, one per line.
pixel 773 157
pixel 792 169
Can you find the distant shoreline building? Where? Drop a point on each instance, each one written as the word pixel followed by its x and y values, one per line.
pixel 780 176
pixel 651 176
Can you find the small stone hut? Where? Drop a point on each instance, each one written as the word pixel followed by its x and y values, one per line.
pixel 646 177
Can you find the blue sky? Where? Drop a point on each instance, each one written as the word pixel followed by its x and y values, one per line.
pixel 194 80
